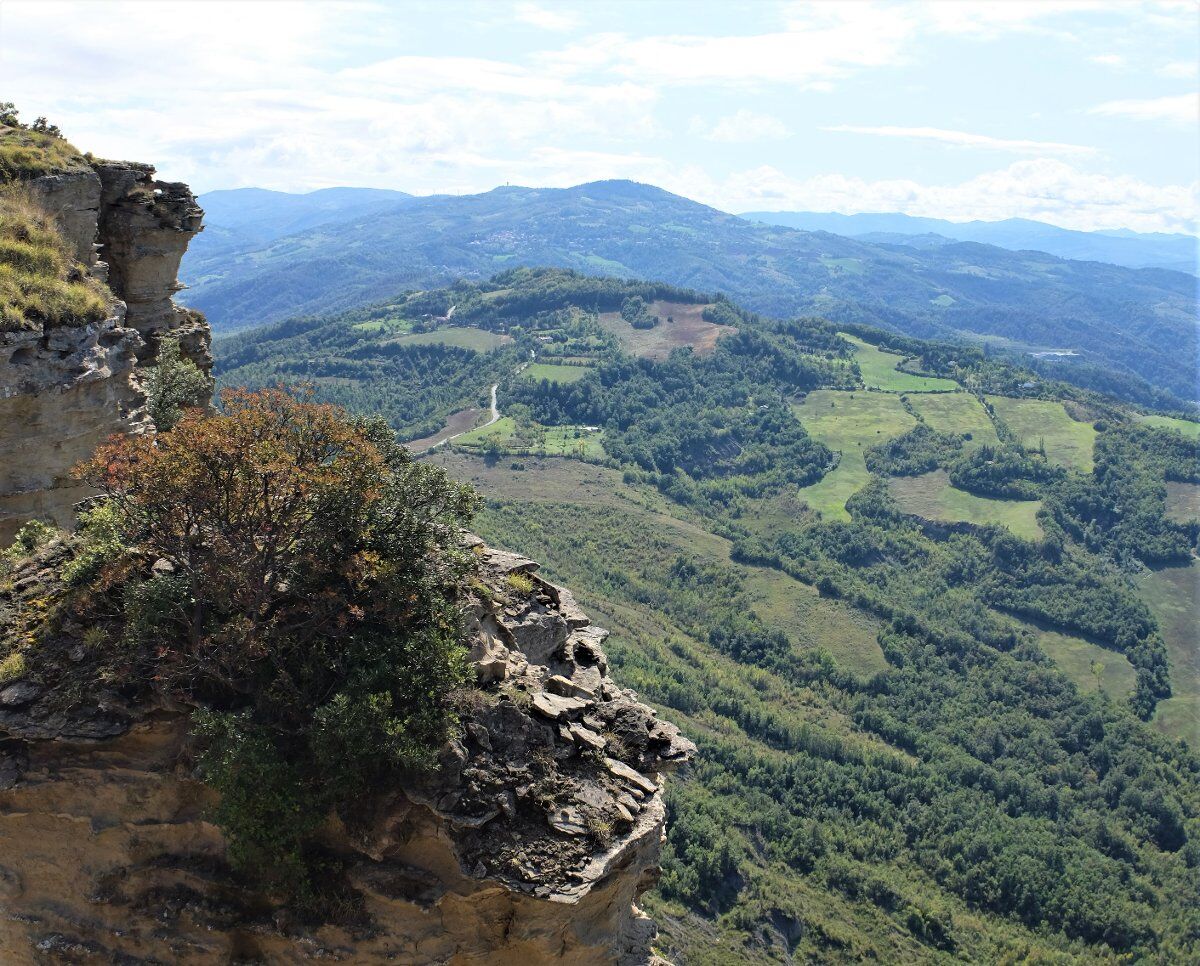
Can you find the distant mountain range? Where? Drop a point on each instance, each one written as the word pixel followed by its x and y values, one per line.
pixel 1123 247
pixel 365 247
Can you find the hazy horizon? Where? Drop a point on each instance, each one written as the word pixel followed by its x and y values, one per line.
pixel 1078 114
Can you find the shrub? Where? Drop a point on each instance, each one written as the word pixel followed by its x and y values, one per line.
pixel 306 578
pixel 521 583
pixel 29 538
pixel 173 385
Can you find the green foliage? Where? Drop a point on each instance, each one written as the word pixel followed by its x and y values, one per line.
pixel 29 538
pixel 1007 472
pixel 174 384
pixel 101 541
pixel 304 586
pixel 268 810
pixel 918 451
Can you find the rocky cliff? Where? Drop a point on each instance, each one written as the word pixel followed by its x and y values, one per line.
pixel 65 387
pixel 529 845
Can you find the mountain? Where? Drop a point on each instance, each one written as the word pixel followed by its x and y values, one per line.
pixel 1124 247
pixel 1139 323
pixel 245 218
pixel 920 610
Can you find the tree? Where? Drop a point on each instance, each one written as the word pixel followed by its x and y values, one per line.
pixel 304 588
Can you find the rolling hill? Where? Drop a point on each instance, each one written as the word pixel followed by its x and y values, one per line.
pixel 1128 248
pixel 925 614
pixel 1137 323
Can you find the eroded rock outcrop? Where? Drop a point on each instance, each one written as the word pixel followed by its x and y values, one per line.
pixel 64 389
pixel 529 845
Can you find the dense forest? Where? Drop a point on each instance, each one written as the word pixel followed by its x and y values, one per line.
pixel 957 791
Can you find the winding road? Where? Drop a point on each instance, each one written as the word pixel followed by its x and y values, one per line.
pixel 495 416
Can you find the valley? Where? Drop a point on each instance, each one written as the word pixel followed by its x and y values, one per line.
pixel 830 555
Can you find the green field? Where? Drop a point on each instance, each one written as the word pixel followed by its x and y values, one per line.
pixel 931 496
pixel 392 326
pixel 849 423
pixel 879 371
pixel 1185 426
pixel 956 412
pixel 1037 421
pixel 1173 595
pixel 534 440
pixel 1090 666
pixel 538 371
pixel 809 620
pixel 458 336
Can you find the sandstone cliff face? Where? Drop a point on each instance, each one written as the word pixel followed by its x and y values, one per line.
pixel 64 389
pixel 530 845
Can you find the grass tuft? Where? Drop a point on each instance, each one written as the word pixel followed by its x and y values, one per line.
pixel 40 284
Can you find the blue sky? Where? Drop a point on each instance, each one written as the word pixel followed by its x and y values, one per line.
pixel 1084 114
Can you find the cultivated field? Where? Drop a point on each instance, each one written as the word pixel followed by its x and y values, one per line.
pixel 457 336
pixel 1173 595
pixel 879 371
pixel 1037 421
pixel 931 496
pixel 538 371
pixel 456 423
pixel 848 422
pixel 956 412
pixel 689 329
pixel 535 440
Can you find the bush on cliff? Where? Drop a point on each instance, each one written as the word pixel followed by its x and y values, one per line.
pixel 295 573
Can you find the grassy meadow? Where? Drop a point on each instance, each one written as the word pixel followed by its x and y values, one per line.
pixel 459 337
pixel 931 496
pixel 1173 595
pixel 1037 421
pixel 537 371
pixel 1186 426
pixel 956 412
pixel 849 423
pixel 879 371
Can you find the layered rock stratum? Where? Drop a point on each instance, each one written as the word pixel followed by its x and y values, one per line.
pixel 530 843
pixel 66 388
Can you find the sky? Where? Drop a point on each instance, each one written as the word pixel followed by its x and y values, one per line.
pixel 1083 114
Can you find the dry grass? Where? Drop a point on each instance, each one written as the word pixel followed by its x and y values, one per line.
pixel 27 154
pixel 40 284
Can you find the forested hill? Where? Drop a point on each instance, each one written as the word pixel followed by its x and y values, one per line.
pixel 927 616
pixel 1129 248
pixel 1136 322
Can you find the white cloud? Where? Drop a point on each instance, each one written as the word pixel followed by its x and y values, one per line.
pixel 1179 70
pixel 741 127
pixel 991 18
pixel 1178 109
pixel 966 140
pixel 836 41
pixel 558 20
pixel 1043 188
pixel 1108 60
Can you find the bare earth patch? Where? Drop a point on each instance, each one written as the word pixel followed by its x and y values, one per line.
pixel 690 328
pixel 456 423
